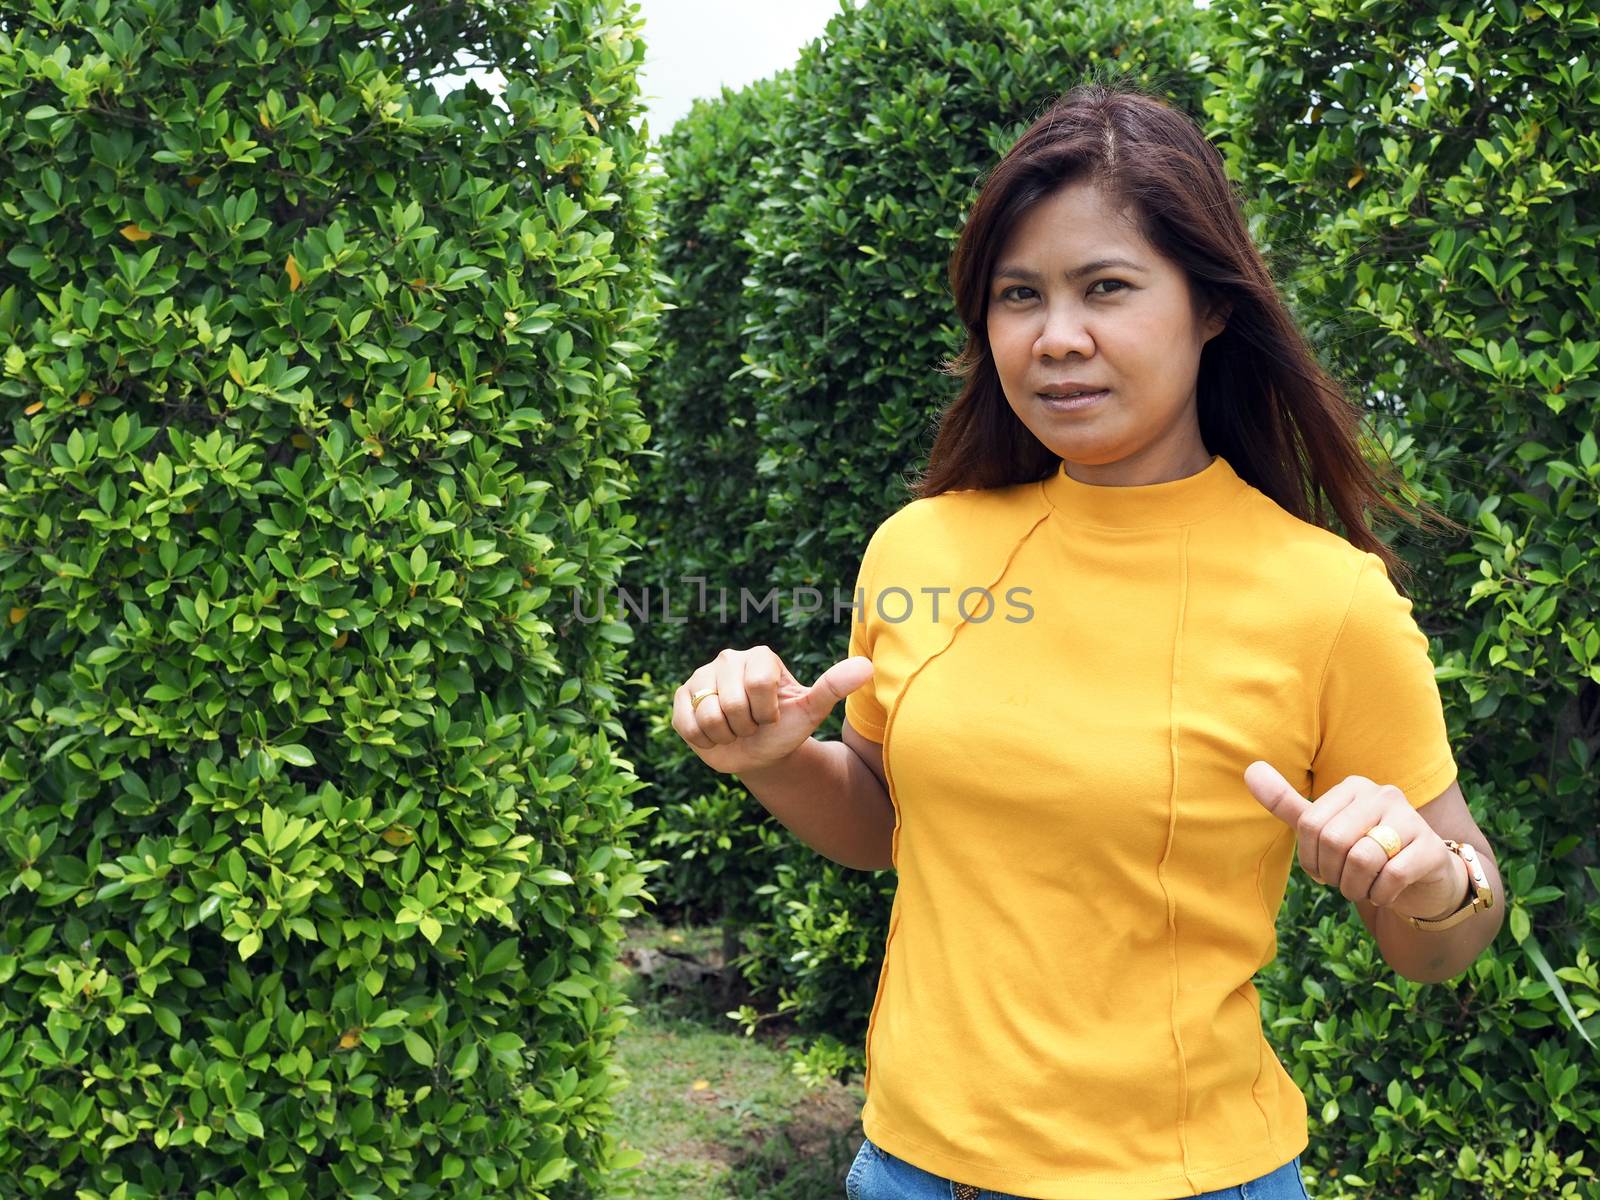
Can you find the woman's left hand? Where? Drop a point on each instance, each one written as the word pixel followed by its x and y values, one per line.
pixel 1425 879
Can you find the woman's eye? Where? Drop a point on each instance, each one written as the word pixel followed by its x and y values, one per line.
pixel 1023 288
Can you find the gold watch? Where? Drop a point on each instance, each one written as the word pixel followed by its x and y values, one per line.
pixel 1482 896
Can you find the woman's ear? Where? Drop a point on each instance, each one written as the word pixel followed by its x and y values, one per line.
pixel 1218 318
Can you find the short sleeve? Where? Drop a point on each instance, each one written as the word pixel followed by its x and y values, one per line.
pixel 862 708
pixel 1379 714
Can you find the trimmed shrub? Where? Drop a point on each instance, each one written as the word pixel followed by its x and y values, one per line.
pixel 319 398
pixel 696 503
pixel 1420 181
pixel 1433 176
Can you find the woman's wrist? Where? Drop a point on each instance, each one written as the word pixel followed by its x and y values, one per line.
pixel 1463 894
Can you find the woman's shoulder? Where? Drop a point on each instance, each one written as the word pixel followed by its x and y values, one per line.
pixel 1315 559
pixel 974 511
pixel 956 529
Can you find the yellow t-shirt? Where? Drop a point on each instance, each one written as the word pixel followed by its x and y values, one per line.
pixel 1086 886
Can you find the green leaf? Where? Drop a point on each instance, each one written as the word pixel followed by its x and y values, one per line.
pixel 167 1020
pixel 295 753
pixel 499 958
pixel 552 1170
pixel 1530 947
pixel 257 1037
pixel 419 1049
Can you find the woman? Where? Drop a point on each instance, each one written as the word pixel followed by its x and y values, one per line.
pixel 1099 664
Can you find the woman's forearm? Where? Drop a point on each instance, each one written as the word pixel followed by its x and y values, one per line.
pixel 827 796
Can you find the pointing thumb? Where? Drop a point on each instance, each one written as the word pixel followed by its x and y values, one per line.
pixel 834 684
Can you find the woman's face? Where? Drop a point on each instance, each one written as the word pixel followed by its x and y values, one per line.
pixel 1128 329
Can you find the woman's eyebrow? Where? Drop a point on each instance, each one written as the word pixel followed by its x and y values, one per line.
pixel 1099 264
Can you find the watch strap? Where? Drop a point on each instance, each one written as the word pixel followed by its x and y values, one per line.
pixel 1480 896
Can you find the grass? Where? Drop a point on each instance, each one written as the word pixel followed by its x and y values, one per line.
pixel 717 1114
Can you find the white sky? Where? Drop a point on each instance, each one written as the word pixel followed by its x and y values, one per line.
pixel 694 47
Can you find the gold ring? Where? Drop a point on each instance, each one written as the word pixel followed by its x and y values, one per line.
pixel 1385 837
pixel 694 700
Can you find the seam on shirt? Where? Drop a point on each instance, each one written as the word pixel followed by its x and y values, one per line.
pixel 883 972
pixel 1413 789
pixel 1166 853
pixel 1261 1063
pixel 872 732
pixel 1316 697
pixel 888 775
pixel 1222 508
pixel 894 709
pixel 867 578
pixel 1271 927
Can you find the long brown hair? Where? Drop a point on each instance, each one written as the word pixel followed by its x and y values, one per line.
pixel 1264 403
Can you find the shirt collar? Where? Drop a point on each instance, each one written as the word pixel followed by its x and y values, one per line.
pixel 1175 502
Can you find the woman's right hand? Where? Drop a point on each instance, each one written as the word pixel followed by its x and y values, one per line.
pixel 761 713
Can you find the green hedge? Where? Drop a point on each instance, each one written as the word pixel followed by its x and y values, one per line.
pixel 696 504
pixel 1436 177
pixel 1423 183
pixel 313 841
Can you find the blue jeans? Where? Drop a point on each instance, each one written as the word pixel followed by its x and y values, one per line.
pixel 878 1175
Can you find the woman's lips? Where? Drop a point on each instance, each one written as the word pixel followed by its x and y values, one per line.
pixel 1062 404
